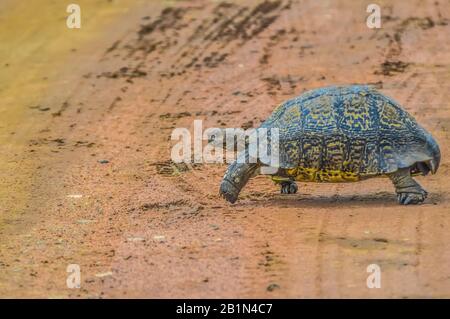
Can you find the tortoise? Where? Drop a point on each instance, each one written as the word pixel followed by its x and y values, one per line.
pixel 344 134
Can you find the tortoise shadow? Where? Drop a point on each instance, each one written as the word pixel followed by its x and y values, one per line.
pixel 379 199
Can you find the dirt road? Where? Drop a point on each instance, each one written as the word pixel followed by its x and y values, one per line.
pixel 85 122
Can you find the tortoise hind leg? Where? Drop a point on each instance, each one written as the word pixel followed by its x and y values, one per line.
pixel 288 184
pixel 289 187
pixel 407 189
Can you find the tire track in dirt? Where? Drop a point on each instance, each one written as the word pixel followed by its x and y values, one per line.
pixel 392 63
pixel 228 26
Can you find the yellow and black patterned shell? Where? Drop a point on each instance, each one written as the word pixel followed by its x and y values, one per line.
pixel 351 129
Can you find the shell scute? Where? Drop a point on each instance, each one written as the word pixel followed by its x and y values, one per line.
pixel 348 133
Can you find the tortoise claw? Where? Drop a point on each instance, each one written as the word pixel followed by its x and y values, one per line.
pixel 411 198
pixel 228 191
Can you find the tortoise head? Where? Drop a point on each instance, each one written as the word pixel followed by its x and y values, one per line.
pixel 232 139
pixel 216 137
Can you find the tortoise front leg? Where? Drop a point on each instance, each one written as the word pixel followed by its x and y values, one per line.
pixel 407 189
pixel 236 176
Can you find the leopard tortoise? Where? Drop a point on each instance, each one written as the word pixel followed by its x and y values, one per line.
pixel 344 134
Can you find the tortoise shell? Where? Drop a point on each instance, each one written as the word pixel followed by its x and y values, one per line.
pixel 348 133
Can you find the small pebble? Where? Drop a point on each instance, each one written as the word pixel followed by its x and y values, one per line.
pixel 159 238
pixel 104 274
pixel 75 196
pixel 272 287
pixel 85 221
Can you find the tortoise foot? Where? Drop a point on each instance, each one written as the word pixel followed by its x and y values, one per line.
pixel 228 191
pixel 412 198
pixel 289 187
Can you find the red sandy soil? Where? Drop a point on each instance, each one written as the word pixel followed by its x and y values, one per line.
pixel 145 227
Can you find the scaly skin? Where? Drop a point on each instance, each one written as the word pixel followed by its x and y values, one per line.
pixel 407 189
pixel 236 176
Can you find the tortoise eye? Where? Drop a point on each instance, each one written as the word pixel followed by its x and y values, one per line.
pixel 212 138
